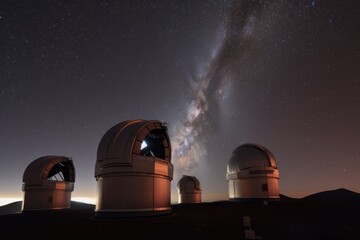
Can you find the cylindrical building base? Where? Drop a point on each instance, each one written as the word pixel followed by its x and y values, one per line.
pixel 124 195
pixel 49 195
pixel 189 197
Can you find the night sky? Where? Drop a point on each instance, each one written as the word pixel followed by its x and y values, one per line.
pixel 283 74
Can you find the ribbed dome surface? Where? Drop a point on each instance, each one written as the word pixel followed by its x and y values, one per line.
pixel 47 167
pixel 188 184
pixel 249 156
pixel 132 138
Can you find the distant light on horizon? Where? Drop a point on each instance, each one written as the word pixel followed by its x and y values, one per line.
pixel 5 201
pixel 84 200
pixel 89 200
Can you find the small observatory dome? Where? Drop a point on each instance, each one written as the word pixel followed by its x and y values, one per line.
pixel 133 170
pixel 189 190
pixel 47 183
pixel 252 174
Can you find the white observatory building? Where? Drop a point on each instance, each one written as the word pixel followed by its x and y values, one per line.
pixel 47 183
pixel 252 174
pixel 189 190
pixel 133 170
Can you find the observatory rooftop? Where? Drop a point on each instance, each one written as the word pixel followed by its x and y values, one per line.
pixel 58 168
pixel 249 156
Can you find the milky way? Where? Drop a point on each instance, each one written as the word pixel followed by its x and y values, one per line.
pixel 202 115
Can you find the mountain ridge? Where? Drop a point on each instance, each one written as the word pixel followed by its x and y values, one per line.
pixel 340 195
pixel 15 207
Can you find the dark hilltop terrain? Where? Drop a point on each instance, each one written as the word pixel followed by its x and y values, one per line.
pixel 325 215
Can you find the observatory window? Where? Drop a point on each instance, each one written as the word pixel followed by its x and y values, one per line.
pixel 264 188
pixel 153 144
pixel 60 172
pixel 143 145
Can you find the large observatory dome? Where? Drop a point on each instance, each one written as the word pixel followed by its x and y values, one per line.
pixel 133 170
pixel 252 173
pixel 248 156
pixel 189 190
pixel 48 182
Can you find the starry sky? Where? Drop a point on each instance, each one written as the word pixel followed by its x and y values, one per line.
pixel 283 74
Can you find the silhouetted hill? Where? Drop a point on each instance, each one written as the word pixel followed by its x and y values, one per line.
pixel 15 207
pixel 340 195
pixel 287 198
pixel 81 205
pixel 11 208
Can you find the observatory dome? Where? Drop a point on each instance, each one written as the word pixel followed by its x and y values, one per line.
pixel 252 173
pixel 249 156
pixel 189 190
pixel 133 170
pixel 48 182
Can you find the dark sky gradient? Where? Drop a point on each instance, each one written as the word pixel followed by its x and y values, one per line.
pixel 283 74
